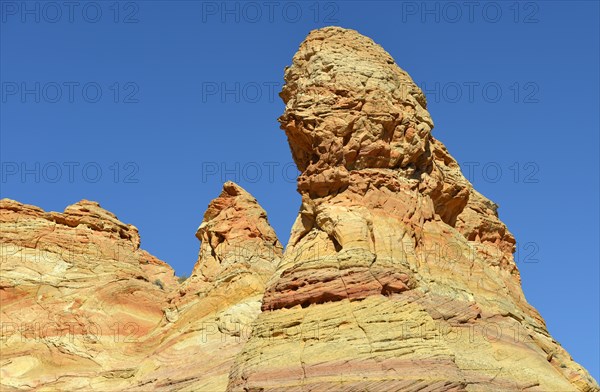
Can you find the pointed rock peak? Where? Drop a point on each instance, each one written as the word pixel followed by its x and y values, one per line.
pixel 350 107
pixel 235 217
pixel 233 189
pixel 234 230
pixel 232 196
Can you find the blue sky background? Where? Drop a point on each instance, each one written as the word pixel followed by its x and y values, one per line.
pixel 189 100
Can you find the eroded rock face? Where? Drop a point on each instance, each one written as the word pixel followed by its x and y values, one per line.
pixel 84 308
pixel 236 239
pixel 398 275
pixel 210 315
pixel 75 287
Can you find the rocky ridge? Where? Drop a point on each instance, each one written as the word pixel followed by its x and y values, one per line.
pixel 84 308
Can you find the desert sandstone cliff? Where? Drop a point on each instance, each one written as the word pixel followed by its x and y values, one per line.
pixel 83 308
pixel 398 275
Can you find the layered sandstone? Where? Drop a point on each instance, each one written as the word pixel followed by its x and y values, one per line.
pixel 398 275
pixel 84 308
pixel 75 289
pixel 211 313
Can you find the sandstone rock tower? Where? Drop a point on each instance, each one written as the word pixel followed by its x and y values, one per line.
pixel 398 275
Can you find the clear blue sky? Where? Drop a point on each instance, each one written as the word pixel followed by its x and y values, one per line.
pixel 148 106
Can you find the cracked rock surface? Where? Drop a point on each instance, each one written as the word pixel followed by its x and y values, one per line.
pixel 398 275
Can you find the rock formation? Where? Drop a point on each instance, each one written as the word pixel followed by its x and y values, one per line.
pixel 83 308
pixel 398 275
pixel 212 311
pixel 75 291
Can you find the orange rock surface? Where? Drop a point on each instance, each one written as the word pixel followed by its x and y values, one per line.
pixel 398 275
pixel 84 308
